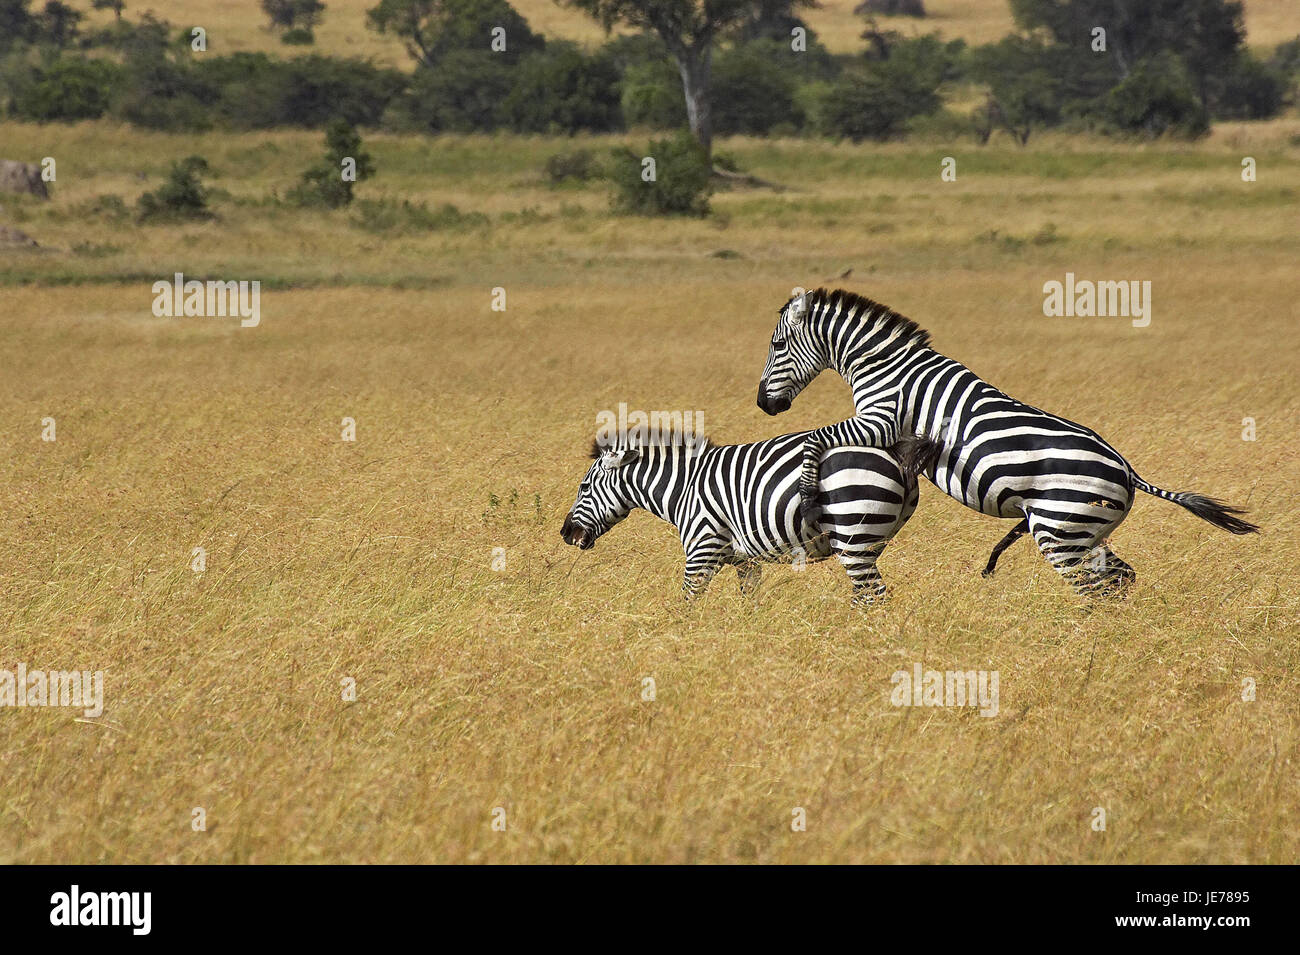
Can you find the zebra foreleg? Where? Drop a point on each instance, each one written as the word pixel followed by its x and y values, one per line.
pixel 875 427
pixel 702 564
pixel 1013 535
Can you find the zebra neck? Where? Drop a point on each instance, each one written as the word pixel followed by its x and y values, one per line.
pixel 658 481
pixel 873 381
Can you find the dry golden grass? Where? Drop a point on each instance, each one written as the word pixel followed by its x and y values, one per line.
pixel 240 25
pixel 521 688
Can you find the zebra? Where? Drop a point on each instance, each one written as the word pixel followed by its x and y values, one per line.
pixel 1001 457
pixel 738 504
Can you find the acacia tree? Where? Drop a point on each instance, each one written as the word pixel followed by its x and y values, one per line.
pixel 434 28
pixel 117 6
pixel 689 29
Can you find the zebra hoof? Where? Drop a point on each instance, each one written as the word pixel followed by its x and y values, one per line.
pixel 867 599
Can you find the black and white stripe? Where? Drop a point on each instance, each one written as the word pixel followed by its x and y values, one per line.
pixel 999 456
pixel 739 504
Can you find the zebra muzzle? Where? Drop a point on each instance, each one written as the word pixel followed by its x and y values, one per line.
pixel 771 406
pixel 575 534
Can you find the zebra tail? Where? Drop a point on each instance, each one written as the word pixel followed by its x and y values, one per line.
pixel 1206 508
pixel 916 455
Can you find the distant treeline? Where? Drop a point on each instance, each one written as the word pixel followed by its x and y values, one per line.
pixel 1180 66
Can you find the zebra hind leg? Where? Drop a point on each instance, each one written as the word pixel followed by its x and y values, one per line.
pixel 1080 555
pixel 810 511
pixel 858 554
pixel 1107 574
pixel 750 575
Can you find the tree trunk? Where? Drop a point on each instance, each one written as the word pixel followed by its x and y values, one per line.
pixel 695 66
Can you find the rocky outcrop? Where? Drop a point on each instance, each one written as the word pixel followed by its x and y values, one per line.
pixel 22 177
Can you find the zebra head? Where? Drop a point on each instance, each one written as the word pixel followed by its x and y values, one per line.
pixel 795 357
pixel 837 329
pixel 603 498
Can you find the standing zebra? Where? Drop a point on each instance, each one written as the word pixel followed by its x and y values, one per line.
pixel 999 456
pixel 739 504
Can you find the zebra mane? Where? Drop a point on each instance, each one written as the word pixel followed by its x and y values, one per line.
pixel 598 448
pixel 880 316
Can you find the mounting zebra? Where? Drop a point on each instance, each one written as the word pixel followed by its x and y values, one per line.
pixel 1000 457
pixel 739 504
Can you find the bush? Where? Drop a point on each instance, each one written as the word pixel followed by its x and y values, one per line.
pixel 1025 86
pixel 580 166
pixel 67 89
pixel 652 96
pixel 752 90
pixel 1249 89
pixel 109 207
pixel 451 26
pixel 561 89
pixel 464 94
pixel 165 95
pixel 182 196
pixel 387 216
pixel 257 91
pixel 323 184
pixel 868 105
pixel 298 36
pixel 290 15
pixel 681 184
pixel 890 8
pixel 877 100
pixel 1158 97
pixel 1286 58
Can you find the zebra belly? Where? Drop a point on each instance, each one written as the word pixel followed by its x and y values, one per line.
pixel 1001 483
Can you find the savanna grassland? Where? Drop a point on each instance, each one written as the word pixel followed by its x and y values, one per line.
pixel 520 685
pixel 240 25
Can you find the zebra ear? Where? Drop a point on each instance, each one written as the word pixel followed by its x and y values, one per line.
pixel 798 309
pixel 616 459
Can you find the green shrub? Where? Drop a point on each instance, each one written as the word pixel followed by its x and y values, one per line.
pixel 169 96
pixel 405 217
pixel 1026 89
pixel 890 8
pixel 868 105
pixel 450 26
pixel 67 89
pixel 182 196
pixel 562 89
pixel 681 183
pixel 1158 97
pixel 1249 89
pixel 580 166
pixel 1286 58
pixel 298 36
pixel 109 207
pixel 258 91
pixel 290 15
pixel 753 90
pixel 323 184
pixel 463 94
pixel 652 96
pixel 876 100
